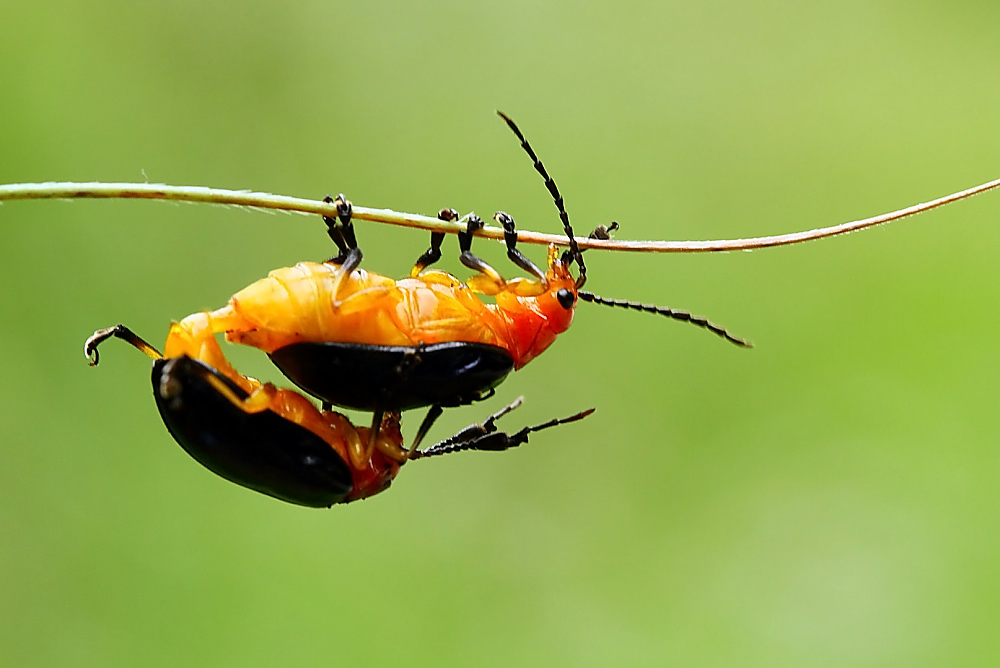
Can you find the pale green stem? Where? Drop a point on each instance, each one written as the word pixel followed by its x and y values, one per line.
pixel 307 206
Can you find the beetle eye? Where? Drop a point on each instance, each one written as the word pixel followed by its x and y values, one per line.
pixel 565 298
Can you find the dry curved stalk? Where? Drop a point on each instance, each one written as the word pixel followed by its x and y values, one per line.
pixel 259 200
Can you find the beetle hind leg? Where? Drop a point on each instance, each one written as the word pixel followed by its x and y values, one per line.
pixel 119 332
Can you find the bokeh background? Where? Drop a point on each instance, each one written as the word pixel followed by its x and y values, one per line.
pixel 829 498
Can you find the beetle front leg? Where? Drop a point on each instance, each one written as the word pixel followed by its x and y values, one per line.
pixel 516 256
pixel 488 281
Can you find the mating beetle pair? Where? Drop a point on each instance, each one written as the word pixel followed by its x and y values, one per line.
pixel 356 339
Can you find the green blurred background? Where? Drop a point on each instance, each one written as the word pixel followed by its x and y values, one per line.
pixel 829 498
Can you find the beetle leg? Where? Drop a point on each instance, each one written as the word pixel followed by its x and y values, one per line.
pixel 389 442
pixel 485 436
pixel 433 254
pixel 516 256
pixel 488 281
pixel 192 337
pixel 341 231
pixel 433 414
pixel 337 235
pixel 261 396
pixel 343 235
pixel 121 332
pixel 358 448
pixel 374 430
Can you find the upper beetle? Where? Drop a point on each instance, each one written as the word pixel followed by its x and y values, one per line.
pixel 357 339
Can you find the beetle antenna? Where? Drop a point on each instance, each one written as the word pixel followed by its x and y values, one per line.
pixel 683 316
pixel 556 197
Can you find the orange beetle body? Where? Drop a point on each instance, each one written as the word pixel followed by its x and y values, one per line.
pixel 313 302
pixel 358 339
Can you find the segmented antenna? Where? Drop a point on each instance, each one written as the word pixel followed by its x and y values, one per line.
pixel 683 316
pixel 556 197
pixel 602 232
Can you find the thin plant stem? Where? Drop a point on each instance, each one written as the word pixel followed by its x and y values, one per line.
pixel 17 191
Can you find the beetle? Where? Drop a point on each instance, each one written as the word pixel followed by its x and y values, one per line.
pixel 276 441
pixel 356 339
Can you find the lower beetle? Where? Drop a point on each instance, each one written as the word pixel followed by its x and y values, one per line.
pixel 277 442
